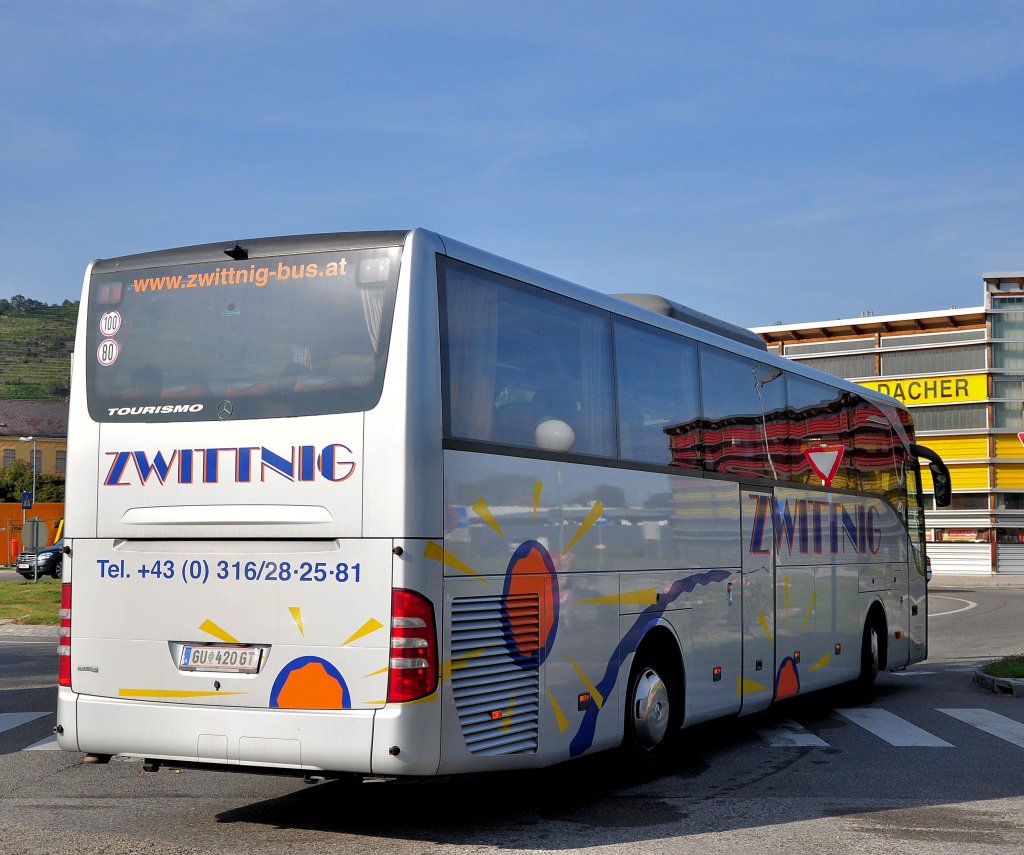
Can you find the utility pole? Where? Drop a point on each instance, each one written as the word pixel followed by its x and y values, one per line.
pixel 32 439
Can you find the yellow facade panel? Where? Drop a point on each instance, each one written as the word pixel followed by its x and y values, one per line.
pixel 1010 476
pixel 951 448
pixel 966 477
pixel 1009 445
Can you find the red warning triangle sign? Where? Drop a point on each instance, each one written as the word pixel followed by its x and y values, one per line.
pixel 1020 436
pixel 825 460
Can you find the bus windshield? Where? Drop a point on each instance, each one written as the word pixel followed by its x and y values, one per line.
pixel 258 338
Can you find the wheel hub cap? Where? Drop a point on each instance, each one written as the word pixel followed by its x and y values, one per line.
pixel 650 709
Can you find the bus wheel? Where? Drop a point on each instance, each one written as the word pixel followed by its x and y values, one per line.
pixel 653 709
pixel 870 656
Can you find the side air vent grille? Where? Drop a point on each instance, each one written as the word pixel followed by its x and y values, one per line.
pixel 495 672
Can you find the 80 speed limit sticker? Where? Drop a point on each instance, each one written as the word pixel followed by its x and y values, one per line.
pixel 106 353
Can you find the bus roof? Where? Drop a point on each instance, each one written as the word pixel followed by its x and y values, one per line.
pixel 671 309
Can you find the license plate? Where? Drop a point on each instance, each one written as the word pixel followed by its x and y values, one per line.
pixel 231 660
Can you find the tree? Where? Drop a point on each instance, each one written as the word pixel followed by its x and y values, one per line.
pixel 17 478
pixel 21 303
pixel 14 479
pixel 49 488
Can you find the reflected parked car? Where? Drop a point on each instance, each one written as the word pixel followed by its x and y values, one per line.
pixel 51 561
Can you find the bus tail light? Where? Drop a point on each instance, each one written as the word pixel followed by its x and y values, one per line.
pixel 413 666
pixel 64 638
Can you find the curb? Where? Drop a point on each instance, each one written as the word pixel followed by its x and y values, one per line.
pixel 28 630
pixel 974 581
pixel 1005 686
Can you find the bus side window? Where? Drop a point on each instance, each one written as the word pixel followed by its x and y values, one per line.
pixel 512 351
pixel 821 418
pixel 878 456
pixel 658 405
pixel 734 428
pixel 513 423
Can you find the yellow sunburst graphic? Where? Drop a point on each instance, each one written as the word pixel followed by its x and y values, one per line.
pixel 444 554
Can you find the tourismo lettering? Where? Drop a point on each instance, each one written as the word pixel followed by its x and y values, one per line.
pixel 154 410
pixel 240 465
pixel 809 527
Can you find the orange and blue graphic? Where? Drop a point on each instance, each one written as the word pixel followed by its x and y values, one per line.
pixel 310 683
pixel 787 680
pixel 645 621
pixel 532 571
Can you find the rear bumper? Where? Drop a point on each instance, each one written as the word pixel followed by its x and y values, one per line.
pixel 305 740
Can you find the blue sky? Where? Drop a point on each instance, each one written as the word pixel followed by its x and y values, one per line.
pixel 760 161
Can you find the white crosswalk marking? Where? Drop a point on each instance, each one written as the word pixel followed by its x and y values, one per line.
pixel 10 720
pixel 992 723
pixel 893 729
pixel 790 734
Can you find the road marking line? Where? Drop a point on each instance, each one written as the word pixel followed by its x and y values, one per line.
pixel 992 723
pixel 913 673
pixel 970 605
pixel 9 720
pixel 893 729
pixel 48 744
pixel 790 734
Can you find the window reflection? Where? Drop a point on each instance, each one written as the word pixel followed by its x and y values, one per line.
pixel 658 405
pixel 735 426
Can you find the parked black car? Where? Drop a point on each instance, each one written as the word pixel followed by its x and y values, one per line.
pixel 51 561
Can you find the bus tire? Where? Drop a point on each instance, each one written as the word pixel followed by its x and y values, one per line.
pixel 654 707
pixel 870 655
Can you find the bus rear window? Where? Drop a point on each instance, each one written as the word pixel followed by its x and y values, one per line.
pixel 260 338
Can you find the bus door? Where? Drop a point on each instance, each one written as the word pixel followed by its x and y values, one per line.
pixel 756 685
pixel 918 587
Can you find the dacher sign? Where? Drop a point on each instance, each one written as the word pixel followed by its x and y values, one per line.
pixel 948 389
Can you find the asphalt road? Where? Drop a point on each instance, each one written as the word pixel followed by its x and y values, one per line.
pixel 818 774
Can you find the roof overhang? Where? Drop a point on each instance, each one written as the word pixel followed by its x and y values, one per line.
pixel 947 319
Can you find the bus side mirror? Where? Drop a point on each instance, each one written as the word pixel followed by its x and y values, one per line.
pixel 943 484
pixel 940 474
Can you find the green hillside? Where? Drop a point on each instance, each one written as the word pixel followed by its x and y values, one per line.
pixel 35 349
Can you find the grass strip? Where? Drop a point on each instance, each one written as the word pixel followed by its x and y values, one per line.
pixel 1007 667
pixel 30 602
